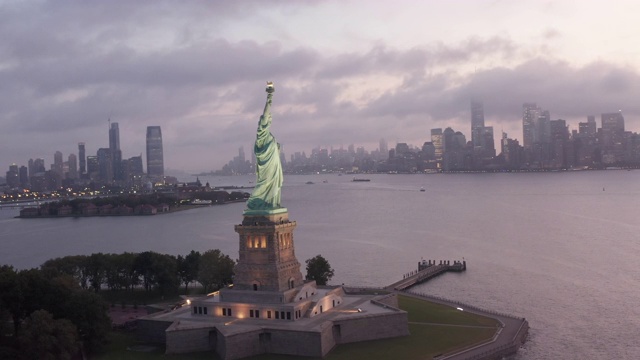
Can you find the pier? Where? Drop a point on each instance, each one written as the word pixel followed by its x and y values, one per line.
pixel 510 335
pixel 427 269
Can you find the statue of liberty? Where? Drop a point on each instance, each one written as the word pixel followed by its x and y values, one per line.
pixel 266 194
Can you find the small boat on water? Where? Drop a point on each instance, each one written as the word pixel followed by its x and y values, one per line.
pixel 360 179
pixel 309 183
pixel 201 202
pixel 422 189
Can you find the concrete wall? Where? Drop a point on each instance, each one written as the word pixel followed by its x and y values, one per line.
pixel 389 300
pixel 276 341
pixel 190 340
pixel 238 346
pixel 372 327
pixel 152 331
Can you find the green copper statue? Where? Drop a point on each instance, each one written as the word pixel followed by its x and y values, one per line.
pixel 266 194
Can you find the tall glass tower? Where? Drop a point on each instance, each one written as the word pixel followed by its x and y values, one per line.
pixel 116 153
pixel 83 159
pixel 155 158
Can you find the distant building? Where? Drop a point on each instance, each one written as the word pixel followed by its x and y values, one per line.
pixel 384 149
pixel 24 177
pixel 82 158
pixel 13 176
pixel 155 157
pixel 58 164
pixel 477 124
pixel 105 165
pixel 530 113
pixel 93 167
pixel 116 153
pixel 73 167
pixel 588 128
pixel 436 140
pixel 613 138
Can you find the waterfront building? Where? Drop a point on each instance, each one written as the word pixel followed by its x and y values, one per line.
pixel 558 144
pixel 588 128
pixel 613 136
pixel 155 157
pixel 24 177
pixel 436 140
pixel 384 149
pixel 540 152
pixel 530 113
pixel 13 176
pixel 52 180
pixel 132 171
pixel 477 124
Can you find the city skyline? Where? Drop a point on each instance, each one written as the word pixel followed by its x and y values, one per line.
pixel 395 69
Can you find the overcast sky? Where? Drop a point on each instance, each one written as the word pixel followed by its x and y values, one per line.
pixel 345 71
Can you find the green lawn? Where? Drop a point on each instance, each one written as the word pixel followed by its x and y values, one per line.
pixel 426 340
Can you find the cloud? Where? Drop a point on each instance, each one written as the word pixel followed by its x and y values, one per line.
pixel 66 67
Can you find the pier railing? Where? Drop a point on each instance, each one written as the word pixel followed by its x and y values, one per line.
pixel 462 305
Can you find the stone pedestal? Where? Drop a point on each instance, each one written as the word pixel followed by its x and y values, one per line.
pixel 267 259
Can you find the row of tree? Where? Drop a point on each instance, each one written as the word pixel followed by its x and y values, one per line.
pixel 56 310
pixel 52 316
pixel 149 270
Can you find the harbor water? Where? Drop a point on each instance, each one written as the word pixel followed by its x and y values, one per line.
pixel 561 249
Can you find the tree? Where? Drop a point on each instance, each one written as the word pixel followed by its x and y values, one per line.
pixel 216 270
pixel 42 337
pixel 188 268
pixel 318 269
pixel 96 266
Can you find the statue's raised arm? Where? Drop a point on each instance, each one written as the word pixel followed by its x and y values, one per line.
pixel 266 194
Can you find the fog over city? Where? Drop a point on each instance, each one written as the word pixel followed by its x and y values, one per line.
pixel 344 71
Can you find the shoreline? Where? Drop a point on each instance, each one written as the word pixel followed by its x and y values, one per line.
pixel 171 210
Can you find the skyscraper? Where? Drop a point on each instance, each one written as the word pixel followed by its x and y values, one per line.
pixel 105 165
pixel 613 141
pixel 477 123
pixel 83 159
pixel 114 137
pixel 155 158
pixel 116 153
pixel 384 149
pixel 57 164
pixel 436 139
pixel 530 113
pixel 73 167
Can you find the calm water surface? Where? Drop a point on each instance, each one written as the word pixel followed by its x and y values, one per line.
pixel 561 249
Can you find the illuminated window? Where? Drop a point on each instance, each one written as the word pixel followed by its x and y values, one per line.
pixel 263 242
